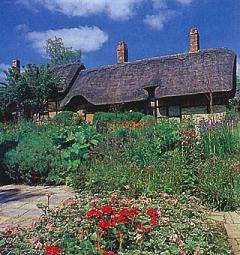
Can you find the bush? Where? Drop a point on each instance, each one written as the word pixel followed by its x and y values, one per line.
pixel 148 119
pixel 33 158
pixel 67 118
pixel 117 118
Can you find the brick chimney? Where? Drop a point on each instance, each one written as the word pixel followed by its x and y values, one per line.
pixel 194 40
pixel 122 53
pixel 16 64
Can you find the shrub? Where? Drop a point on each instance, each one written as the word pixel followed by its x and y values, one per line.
pixel 67 118
pixel 33 158
pixel 117 118
pixel 148 119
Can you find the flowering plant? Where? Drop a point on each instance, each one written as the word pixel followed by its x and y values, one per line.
pixel 117 225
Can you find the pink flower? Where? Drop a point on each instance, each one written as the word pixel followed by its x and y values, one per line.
pixel 49 227
pixel 174 238
pixel 38 245
pixel 77 220
pixel 146 201
pixel 138 237
pixel 12 231
pixel 174 201
pixel 165 195
pixel 109 253
pixel 56 210
pixel 34 223
pixel 198 251
pixel 34 240
pixel 199 221
pixel 127 201
pixel 127 187
pixel 181 244
pixel 93 200
pixel 71 202
pixel 182 252
pixel 164 220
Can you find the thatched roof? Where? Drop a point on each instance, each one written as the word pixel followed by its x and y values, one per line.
pixel 68 74
pixel 211 70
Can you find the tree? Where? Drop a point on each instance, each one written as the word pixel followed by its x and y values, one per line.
pixel 28 92
pixel 59 54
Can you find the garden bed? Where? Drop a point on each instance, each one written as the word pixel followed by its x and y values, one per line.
pixel 113 223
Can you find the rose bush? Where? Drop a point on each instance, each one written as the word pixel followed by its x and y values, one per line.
pixel 113 224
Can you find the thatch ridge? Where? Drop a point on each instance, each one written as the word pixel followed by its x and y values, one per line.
pixel 210 70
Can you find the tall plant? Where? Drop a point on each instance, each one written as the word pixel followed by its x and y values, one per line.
pixel 28 92
pixel 59 54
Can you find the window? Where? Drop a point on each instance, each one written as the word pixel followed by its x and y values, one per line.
pixel 174 111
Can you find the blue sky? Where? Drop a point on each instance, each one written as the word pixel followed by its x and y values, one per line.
pixel 149 27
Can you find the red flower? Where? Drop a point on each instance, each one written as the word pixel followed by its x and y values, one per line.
pixel 153 220
pixel 136 210
pixel 104 224
pixel 149 230
pixel 114 198
pixel 139 227
pixel 131 213
pixel 119 219
pixel 119 236
pixel 151 212
pixel 93 213
pixel 52 250
pixel 107 209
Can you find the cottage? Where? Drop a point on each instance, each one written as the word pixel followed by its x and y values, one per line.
pixel 198 83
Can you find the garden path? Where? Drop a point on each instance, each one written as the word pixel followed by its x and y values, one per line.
pixel 231 221
pixel 18 203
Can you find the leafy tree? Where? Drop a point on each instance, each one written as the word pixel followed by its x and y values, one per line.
pixel 28 92
pixel 59 54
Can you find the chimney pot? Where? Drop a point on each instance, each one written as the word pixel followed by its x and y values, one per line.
pixel 122 53
pixel 194 40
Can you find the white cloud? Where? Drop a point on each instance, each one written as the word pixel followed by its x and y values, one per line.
pixel 159 4
pixel 158 21
pixel 86 38
pixel 22 28
pixel 3 67
pixel 116 9
pixel 238 68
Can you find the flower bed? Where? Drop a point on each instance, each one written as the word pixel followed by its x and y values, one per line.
pixel 112 224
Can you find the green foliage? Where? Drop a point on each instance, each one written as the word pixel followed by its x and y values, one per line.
pixel 117 118
pixel 32 159
pixel 220 138
pixel 167 156
pixel 74 144
pixel 67 118
pixel 28 92
pixel 111 223
pixel 59 54
pixel 148 119
pixel 46 153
